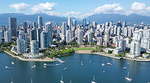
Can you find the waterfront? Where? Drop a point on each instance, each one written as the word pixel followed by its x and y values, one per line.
pixel 22 73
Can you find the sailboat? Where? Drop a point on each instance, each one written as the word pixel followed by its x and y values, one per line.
pixel 93 80
pixel 108 63
pixel 12 80
pixel 103 63
pixel 127 78
pixel 61 81
pixel 12 63
pixel 81 63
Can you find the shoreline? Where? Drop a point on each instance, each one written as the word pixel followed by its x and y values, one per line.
pixel 45 59
pixel 111 55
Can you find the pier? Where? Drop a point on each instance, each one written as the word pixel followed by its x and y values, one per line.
pixel 59 60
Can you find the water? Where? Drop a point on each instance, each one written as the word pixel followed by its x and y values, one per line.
pixel 22 73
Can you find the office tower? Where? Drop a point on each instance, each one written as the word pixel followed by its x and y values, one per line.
pixel 144 42
pixel 129 32
pixel 33 34
pixel 34 25
pixel 146 33
pixel 126 32
pixel 76 33
pixel 64 26
pixel 90 35
pixel 119 24
pixel 48 27
pixel 107 24
pixel 80 36
pixel 2 33
pixel 115 30
pixel 135 47
pixel 7 36
pixel 74 22
pixel 73 32
pixel 69 22
pixel 88 23
pixel 21 46
pixel 110 23
pixel 119 31
pixel 95 24
pixel 23 36
pixel 68 35
pixel 12 26
pixel 121 43
pixel 111 32
pixel 44 39
pixel 84 22
pixel 34 47
pixel 99 40
pixel 106 37
pixel 39 30
pixel 40 22
pixel 25 27
pixel 124 24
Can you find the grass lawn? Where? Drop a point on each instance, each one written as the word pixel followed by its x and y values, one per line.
pixel 83 48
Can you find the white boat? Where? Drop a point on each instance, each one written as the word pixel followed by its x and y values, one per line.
pixel 109 64
pixel 12 80
pixel 57 64
pixel 32 67
pixel 128 63
pixel 45 64
pixel 31 80
pixel 127 78
pixel 124 67
pixel 65 68
pixel 12 63
pixel 6 67
pixel 81 63
pixel 103 71
pixel 103 64
pixel 61 81
pixel 93 80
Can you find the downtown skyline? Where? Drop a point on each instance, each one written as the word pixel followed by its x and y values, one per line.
pixel 77 9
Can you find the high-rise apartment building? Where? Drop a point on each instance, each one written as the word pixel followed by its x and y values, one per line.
pixel 12 26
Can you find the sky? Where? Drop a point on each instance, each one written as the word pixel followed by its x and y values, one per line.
pixel 76 8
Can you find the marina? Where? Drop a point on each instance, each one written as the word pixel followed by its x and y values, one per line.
pixel 74 73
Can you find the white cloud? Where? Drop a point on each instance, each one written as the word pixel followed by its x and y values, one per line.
pixel 43 8
pixel 136 6
pixel 20 6
pixel 109 8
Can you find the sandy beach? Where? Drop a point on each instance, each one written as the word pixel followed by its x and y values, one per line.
pixel 20 58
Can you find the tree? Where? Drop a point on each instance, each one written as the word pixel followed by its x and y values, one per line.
pixel 101 50
pixel 110 52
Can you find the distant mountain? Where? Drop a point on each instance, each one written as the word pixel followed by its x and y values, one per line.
pixel 4 18
pixel 131 19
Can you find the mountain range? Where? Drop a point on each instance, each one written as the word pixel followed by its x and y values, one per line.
pixel 99 18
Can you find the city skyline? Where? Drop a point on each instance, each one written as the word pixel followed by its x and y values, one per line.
pixel 77 9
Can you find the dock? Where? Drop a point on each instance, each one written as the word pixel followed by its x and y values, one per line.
pixel 59 60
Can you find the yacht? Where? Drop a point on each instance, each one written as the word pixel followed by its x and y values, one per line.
pixel 57 64
pixel 103 64
pixel 45 64
pixel 93 80
pixel 127 78
pixel 108 63
pixel 32 67
pixel 12 80
pixel 12 63
pixel 81 63
pixel 61 81
pixel 6 67
pixel 65 68
pixel 124 67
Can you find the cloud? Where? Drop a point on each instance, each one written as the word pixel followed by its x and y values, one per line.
pixel 136 6
pixel 20 6
pixel 109 8
pixel 43 8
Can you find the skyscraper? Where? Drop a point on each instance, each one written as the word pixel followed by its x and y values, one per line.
pixel 90 35
pixel 21 46
pixel 33 34
pixel 25 27
pixel 95 24
pixel 34 47
pixel 84 22
pixel 7 36
pixel 121 44
pixel 44 39
pixel 69 22
pixel 12 26
pixel 40 21
pixel 34 25
pixel 63 28
pixel 119 31
pixel 135 47
pixel 80 36
pixel 48 27
pixel 39 30
pixel 74 22
pixel 99 40
pixel 24 37
pixel 68 35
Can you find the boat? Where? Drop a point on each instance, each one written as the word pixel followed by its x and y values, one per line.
pixel 93 80
pixel 12 80
pixel 65 68
pixel 127 78
pixel 32 67
pixel 124 67
pixel 70 81
pixel 12 63
pixel 57 64
pixel 128 63
pixel 103 71
pixel 61 81
pixel 45 64
pixel 103 64
pixel 81 63
pixel 31 80
pixel 6 67
pixel 108 63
